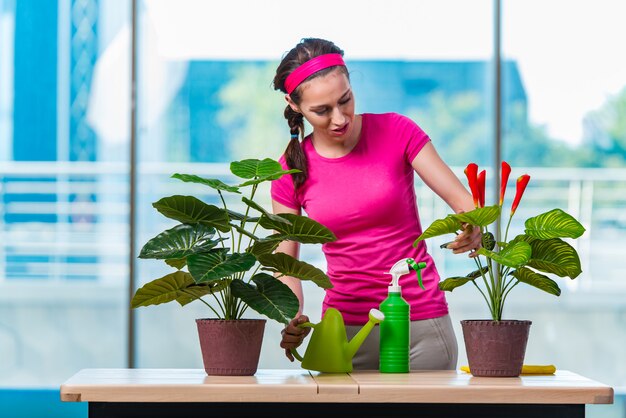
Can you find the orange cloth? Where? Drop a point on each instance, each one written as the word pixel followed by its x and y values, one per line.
pixel 527 369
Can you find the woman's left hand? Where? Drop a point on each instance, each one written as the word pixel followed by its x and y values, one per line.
pixel 469 239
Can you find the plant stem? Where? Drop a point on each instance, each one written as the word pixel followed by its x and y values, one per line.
pixel 238 302
pixel 503 283
pixel 256 225
pixel 484 296
pixel 498 292
pixel 203 301
pixel 220 237
pixel 231 304
pixel 245 216
pixel 506 231
pixel 480 269
pixel 508 289
pixel 232 234
pixel 504 274
pixel 258 266
pixel 245 307
pixel 219 303
pixel 492 278
pixel 506 294
pixel 490 290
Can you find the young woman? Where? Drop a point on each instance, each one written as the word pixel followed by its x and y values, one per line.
pixel 357 179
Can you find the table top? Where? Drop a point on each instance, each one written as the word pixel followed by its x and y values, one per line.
pixel 269 385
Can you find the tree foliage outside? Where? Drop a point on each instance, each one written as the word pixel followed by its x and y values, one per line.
pixel 459 124
pixel 605 132
pixel 462 130
pixel 252 113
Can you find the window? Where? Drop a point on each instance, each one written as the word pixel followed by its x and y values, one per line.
pixel 204 98
pixel 63 190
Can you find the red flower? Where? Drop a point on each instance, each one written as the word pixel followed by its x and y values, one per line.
pixel 504 173
pixel 471 172
pixel 481 188
pixel 522 182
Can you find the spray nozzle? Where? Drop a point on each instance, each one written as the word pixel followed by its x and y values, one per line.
pixel 403 267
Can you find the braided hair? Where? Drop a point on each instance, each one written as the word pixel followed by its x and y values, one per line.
pixel 307 49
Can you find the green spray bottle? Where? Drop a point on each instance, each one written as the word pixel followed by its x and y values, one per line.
pixel 395 330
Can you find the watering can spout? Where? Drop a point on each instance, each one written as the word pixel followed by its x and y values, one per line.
pixel 375 317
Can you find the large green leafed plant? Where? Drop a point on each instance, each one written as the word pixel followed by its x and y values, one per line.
pixel 500 266
pixel 217 253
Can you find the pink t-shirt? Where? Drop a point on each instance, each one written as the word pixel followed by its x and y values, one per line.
pixel 367 198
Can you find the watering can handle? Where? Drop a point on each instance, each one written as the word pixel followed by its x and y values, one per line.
pixel 294 352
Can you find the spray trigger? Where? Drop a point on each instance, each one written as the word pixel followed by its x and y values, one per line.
pixel 418 269
pixel 403 267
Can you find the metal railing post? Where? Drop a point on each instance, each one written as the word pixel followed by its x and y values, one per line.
pixel 132 227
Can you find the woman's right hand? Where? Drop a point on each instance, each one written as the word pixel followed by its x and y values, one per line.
pixel 293 335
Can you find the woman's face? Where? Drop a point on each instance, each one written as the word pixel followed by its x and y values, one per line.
pixel 328 105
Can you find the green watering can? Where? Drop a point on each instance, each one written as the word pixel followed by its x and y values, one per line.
pixel 329 350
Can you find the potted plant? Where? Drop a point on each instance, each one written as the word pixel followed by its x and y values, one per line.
pixel 219 253
pixel 496 347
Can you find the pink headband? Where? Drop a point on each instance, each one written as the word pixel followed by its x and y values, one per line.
pixel 310 67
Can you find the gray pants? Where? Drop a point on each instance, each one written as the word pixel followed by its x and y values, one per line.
pixel 433 346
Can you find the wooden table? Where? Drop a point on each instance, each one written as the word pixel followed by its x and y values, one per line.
pixel 157 393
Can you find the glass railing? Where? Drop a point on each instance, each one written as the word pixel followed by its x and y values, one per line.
pixel 69 221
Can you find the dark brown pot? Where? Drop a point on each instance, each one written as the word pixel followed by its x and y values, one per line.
pixel 495 348
pixel 231 347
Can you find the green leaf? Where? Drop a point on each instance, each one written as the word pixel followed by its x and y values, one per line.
pixel 479 216
pixel 258 170
pixel 300 229
pixel 274 176
pixel 537 280
pixel 244 231
pixel 451 283
pixel 213 183
pixel 270 297
pixel 555 256
pixel 265 213
pixel 488 241
pixel 514 255
pixel 478 273
pixel 177 263
pixel 236 216
pixel 554 224
pixel 443 226
pixel 163 290
pixel 196 291
pixel 265 245
pixel 248 169
pixel 179 242
pixel 519 238
pixel 190 210
pixel 289 266
pixel 217 265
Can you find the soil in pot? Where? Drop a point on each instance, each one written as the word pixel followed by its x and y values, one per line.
pixel 231 347
pixel 495 348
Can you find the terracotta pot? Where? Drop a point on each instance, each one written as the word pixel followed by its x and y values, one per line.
pixel 231 347
pixel 495 348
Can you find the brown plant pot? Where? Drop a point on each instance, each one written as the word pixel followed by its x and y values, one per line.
pixel 231 347
pixel 495 348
